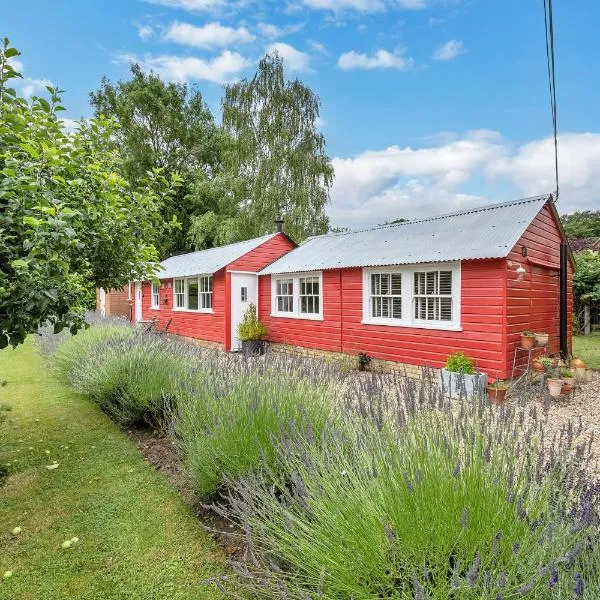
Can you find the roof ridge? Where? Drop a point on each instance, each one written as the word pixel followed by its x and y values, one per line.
pixel 435 217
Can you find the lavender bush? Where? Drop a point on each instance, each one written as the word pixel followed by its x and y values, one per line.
pixel 418 497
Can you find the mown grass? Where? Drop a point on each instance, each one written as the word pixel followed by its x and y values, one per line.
pixel 137 537
pixel 587 347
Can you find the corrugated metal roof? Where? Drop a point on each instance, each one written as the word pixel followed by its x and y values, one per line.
pixel 208 261
pixel 486 232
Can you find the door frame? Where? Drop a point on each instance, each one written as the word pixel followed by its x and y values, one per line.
pixel 234 298
pixel 102 299
pixel 137 302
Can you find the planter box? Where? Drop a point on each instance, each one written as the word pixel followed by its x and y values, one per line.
pixel 253 347
pixel 458 385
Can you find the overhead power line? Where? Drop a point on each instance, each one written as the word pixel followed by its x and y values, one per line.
pixel 549 27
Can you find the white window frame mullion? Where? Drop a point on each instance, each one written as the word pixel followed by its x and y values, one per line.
pixel 186 306
pixel 296 314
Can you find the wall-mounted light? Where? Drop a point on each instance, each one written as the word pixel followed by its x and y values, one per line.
pixel 519 270
pixel 524 251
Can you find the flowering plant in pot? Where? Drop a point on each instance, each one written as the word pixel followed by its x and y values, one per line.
pixel 251 331
pixel 527 340
pixel 497 391
pixel 460 378
pixel 541 339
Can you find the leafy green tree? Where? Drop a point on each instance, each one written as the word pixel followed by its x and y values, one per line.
pixel 68 218
pixel 167 126
pixel 586 281
pixel 275 164
pixel 582 224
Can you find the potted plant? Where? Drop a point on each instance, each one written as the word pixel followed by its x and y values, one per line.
pixel 589 374
pixel 541 339
pixel 542 364
pixel 567 376
pixel 496 391
pixel 460 378
pixel 251 331
pixel 527 340
pixel 578 367
pixel 554 383
pixel 364 360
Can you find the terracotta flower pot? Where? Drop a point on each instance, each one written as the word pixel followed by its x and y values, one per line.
pixel 527 342
pixel 496 396
pixel 538 367
pixel 541 339
pixel 554 387
pixel 566 388
pixel 577 363
pixel 580 374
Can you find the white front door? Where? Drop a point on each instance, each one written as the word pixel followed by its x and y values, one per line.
pixel 138 301
pixel 244 291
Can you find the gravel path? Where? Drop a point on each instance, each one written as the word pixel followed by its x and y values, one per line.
pixel 584 403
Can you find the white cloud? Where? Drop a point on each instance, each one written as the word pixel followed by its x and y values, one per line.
pixel 273 32
pixel 317 47
pixel 208 36
pixel 191 5
pixel 531 169
pixel 449 50
pixel 293 59
pixel 16 64
pixel 380 59
pixel 145 32
pixel 32 87
pixel 364 6
pixel 380 185
pixel 222 69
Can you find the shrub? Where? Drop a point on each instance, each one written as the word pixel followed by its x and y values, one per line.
pixel 227 425
pixel 460 363
pixel 251 328
pixel 445 506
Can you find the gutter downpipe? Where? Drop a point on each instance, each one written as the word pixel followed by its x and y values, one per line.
pixel 564 343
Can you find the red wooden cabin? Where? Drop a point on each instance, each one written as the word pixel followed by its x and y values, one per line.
pixel 409 293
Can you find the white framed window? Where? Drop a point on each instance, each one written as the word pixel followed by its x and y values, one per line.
pixel 206 292
pixel 193 293
pixel 432 295
pixel 297 295
pixel 284 295
pixel 155 297
pixel 386 295
pixel 413 296
pixel 179 293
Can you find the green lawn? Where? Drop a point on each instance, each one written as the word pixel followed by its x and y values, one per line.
pixel 137 539
pixel 587 347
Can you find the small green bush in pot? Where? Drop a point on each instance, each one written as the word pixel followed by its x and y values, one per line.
pixel 460 377
pixel 251 331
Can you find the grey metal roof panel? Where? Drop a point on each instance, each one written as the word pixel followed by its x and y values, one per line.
pixel 486 232
pixel 208 261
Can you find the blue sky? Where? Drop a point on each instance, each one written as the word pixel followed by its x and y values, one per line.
pixel 428 105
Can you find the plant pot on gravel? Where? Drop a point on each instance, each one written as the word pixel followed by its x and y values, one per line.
pixel 567 376
pixel 527 340
pixel 460 378
pixel 251 331
pixel 589 374
pixel 496 391
pixel 566 388
pixel 554 387
pixel 541 339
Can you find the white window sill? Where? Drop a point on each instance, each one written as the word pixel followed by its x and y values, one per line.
pixel 206 311
pixel 297 316
pixel 155 308
pixel 392 323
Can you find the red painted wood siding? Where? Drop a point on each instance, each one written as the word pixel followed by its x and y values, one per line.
pixel 204 326
pixel 534 302
pixel 341 330
pixel 215 326
pixel 263 255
